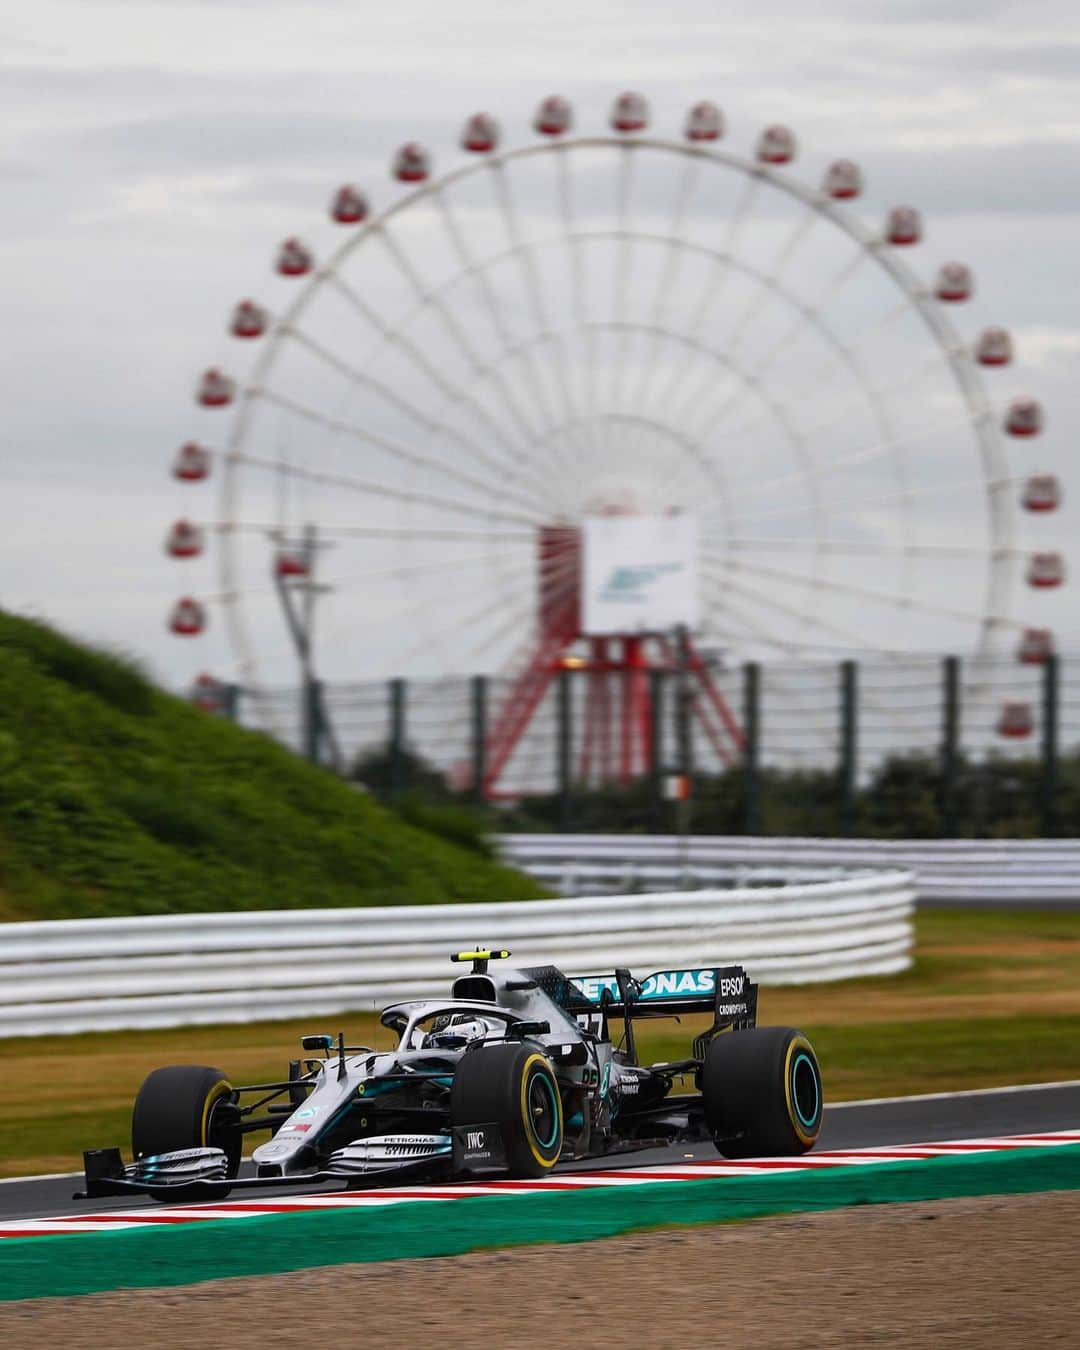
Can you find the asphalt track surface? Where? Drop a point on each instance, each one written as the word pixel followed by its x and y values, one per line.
pixel 910 1120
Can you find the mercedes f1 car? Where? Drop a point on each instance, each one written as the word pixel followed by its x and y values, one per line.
pixel 513 1071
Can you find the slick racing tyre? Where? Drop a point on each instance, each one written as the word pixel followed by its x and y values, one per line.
pixel 186 1106
pixel 762 1092
pixel 514 1087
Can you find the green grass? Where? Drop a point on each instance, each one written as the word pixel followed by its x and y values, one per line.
pixel 116 798
pixel 993 999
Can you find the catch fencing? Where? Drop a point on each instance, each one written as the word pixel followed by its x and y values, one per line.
pixel 177 970
pixel 981 873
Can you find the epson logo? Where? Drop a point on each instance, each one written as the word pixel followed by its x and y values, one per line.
pixel 731 985
pixel 474 1139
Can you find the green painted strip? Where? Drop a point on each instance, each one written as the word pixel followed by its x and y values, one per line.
pixel 185 1254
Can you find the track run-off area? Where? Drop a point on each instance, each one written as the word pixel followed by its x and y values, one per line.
pixel 999 1141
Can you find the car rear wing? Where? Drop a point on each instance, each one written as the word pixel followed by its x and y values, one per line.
pixel 725 991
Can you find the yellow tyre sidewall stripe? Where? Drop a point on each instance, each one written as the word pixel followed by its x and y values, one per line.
pixel 530 1134
pixel 799 1044
pixel 222 1089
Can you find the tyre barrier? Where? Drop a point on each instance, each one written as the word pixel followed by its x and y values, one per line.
pixel 974 872
pixel 78 975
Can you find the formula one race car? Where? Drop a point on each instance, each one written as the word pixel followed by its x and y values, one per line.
pixel 513 1071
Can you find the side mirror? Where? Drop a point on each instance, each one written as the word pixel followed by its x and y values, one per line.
pixel 519 1030
pixel 322 1043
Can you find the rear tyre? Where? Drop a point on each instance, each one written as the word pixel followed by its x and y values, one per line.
pixel 184 1106
pixel 762 1092
pixel 515 1087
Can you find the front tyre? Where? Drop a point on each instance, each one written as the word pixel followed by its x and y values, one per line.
pixel 515 1087
pixel 762 1092
pixel 185 1106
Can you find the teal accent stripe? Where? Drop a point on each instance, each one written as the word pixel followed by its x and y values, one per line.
pixel 809 1121
pixel 185 1254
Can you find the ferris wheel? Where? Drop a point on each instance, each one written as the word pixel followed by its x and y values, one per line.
pixel 617 325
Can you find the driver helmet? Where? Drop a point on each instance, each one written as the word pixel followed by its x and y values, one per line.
pixel 455 1032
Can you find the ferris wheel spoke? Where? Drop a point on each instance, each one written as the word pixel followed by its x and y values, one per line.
pixel 490 297
pixel 477 619
pixel 874 548
pixel 525 256
pixel 819 379
pixel 396 448
pixel 455 331
pixel 721 264
pixel 434 428
pixel 737 583
pixel 624 187
pixel 762 294
pixel 365 485
pixel 859 457
pixel 272 529
pixel 942 492
pixel 807 314
pixel 397 337
pixel 887 598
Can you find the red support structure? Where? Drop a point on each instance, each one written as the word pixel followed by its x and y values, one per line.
pixel 614 663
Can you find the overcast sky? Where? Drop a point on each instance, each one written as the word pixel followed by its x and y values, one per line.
pixel 152 153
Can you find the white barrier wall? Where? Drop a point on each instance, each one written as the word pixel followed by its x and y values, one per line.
pixel 948 871
pixel 176 970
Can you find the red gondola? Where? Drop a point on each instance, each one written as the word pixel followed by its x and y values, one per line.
pixel 215 389
pixel 1035 646
pixel 480 134
pixel 776 145
pixel 350 205
pixel 903 226
pixel 184 540
pixel 554 117
pixel 954 282
pixel 630 112
pixel 1024 417
pixel 1042 492
pixel 704 122
pixel 994 347
pixel 207 693
pixel 248 320
pixel 290 564
pixel 412 164
pixel 294 259
pixel 188 617
pixel 192 463
pixel 843 180
pixel 1015 720
pixel 1045 570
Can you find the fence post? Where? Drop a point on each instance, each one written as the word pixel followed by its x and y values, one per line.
pixel 656 737
pixel 230 702
pixel 848 744
pixel 950 744
pixel 309 718
pixel 1051 673
pixel 563 749
pixel 479 736
pixel 396 765
pixel 751 754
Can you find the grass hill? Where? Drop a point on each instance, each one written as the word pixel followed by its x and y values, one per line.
pixel 116 798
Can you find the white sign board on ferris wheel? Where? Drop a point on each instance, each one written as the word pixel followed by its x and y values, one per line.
pixel 640 574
